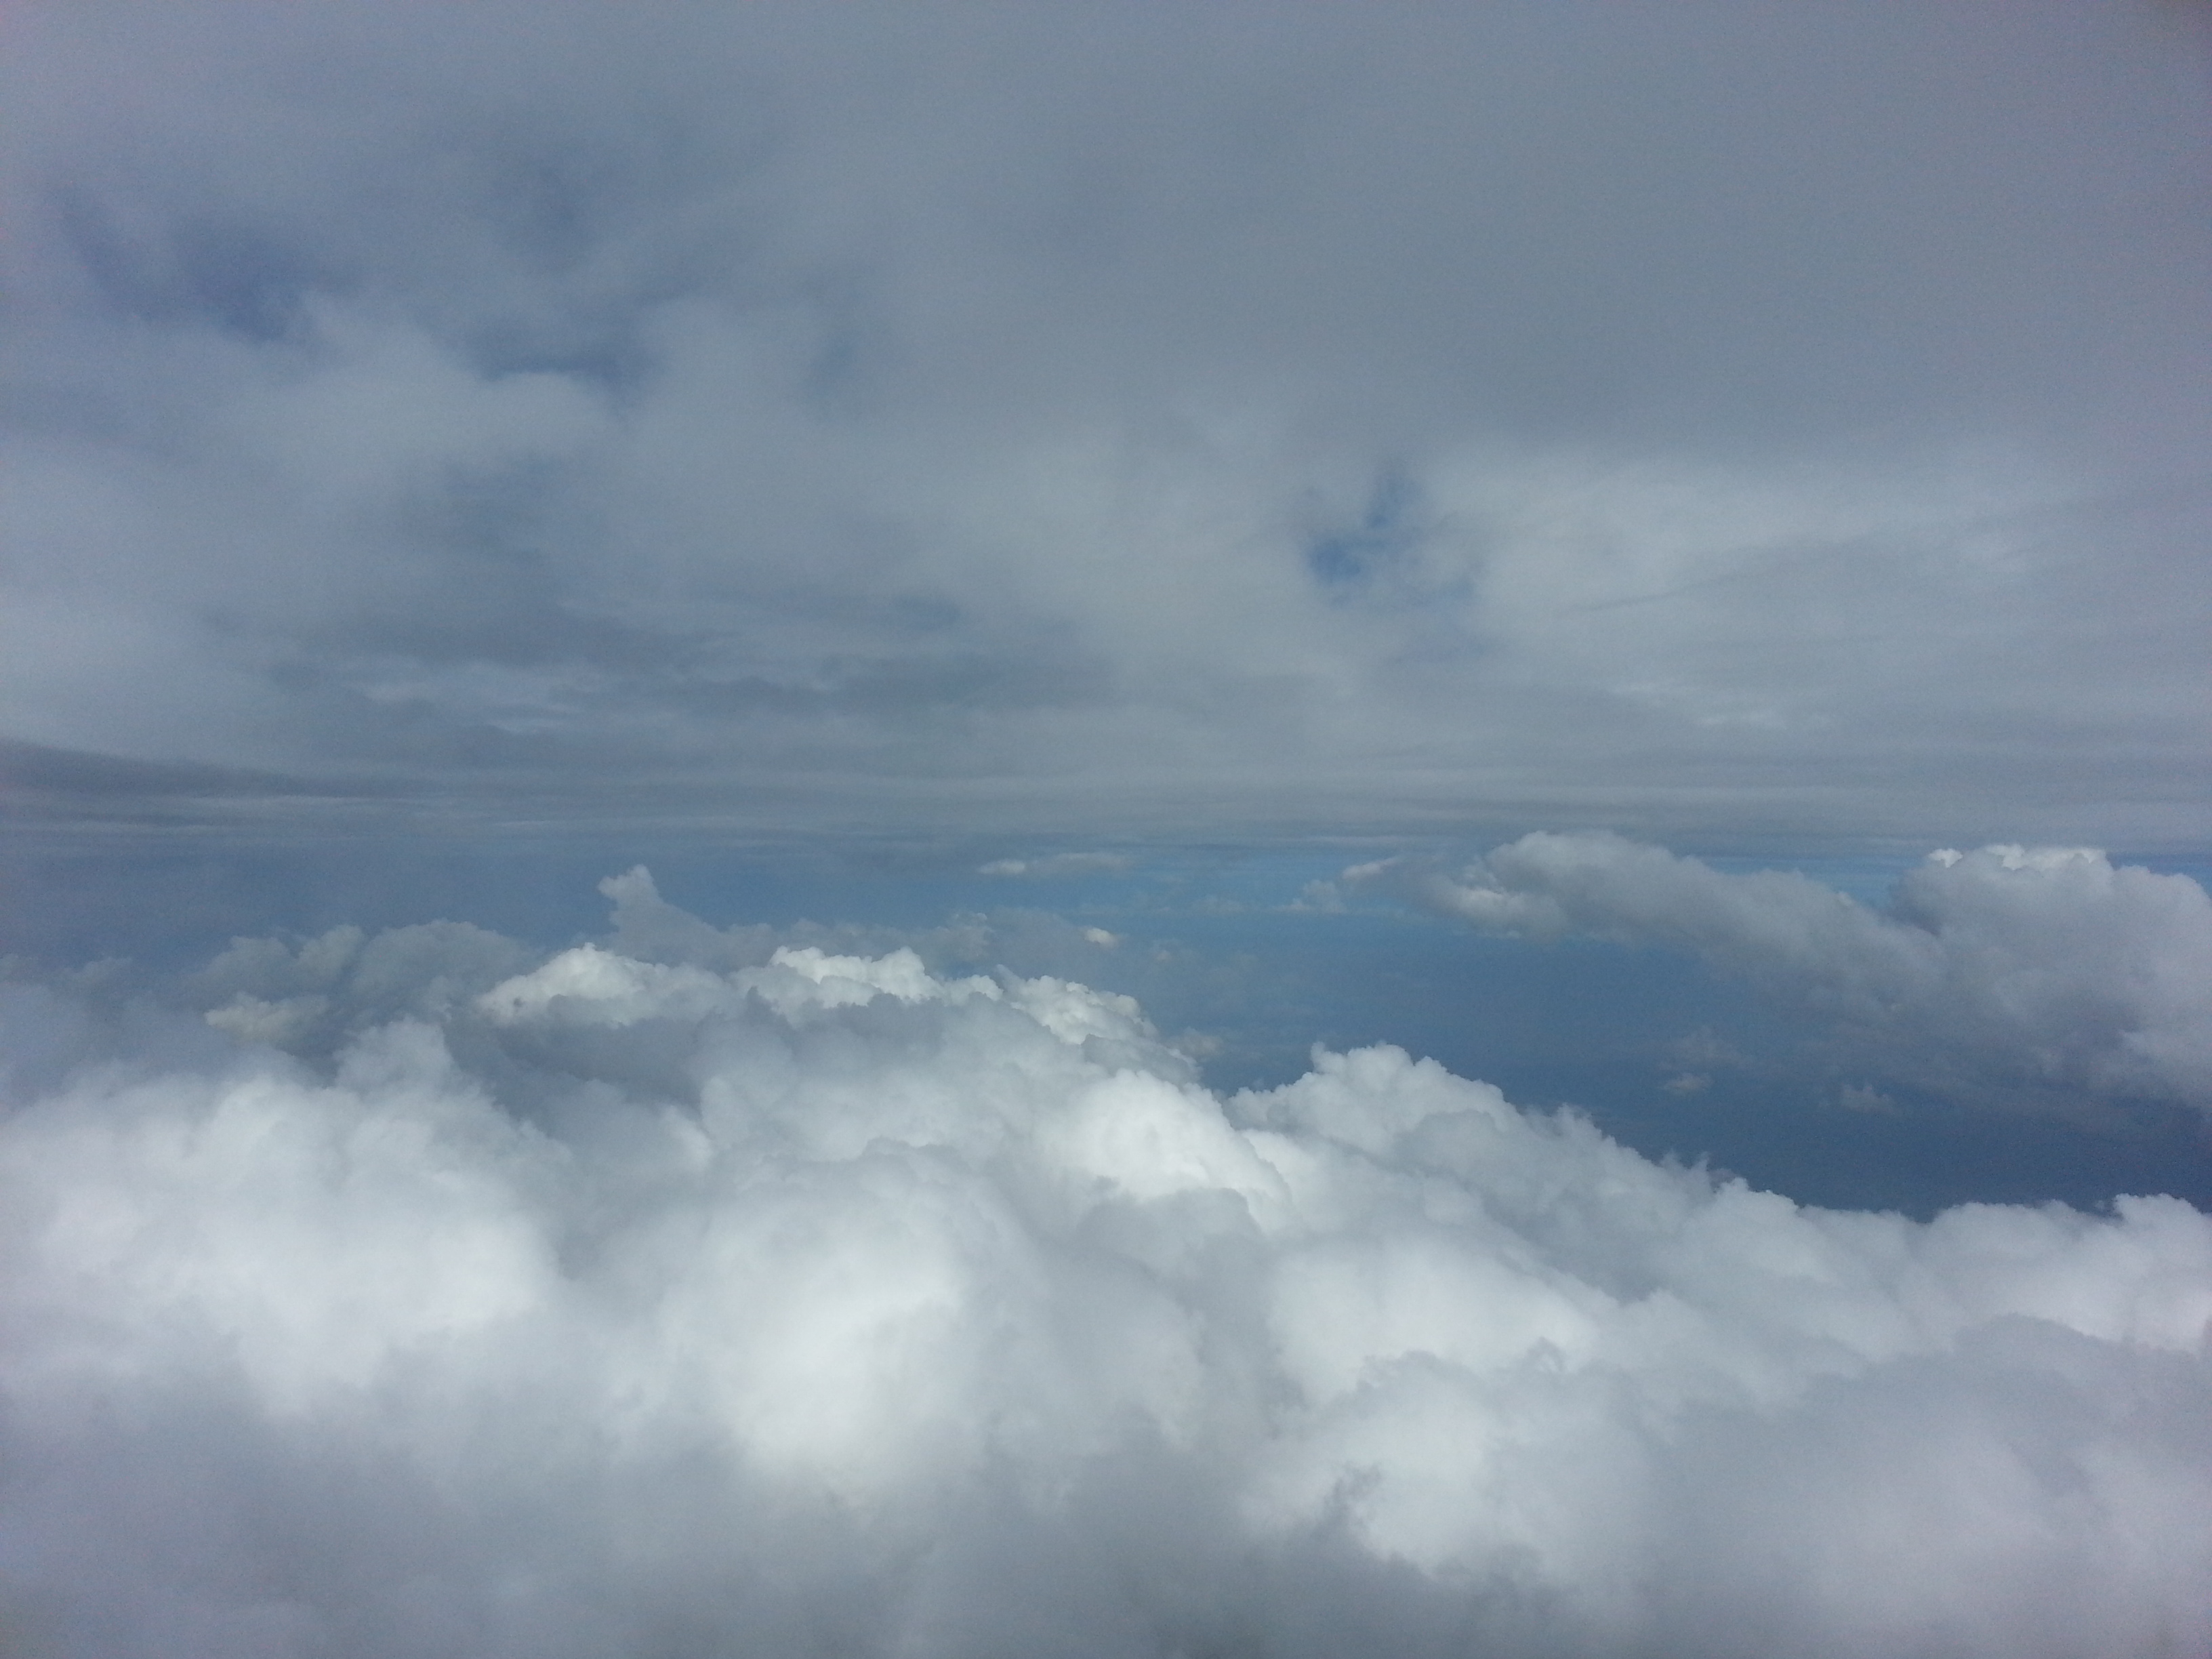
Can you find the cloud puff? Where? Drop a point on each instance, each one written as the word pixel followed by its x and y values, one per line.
pixel 824 1303
pixel 2047 969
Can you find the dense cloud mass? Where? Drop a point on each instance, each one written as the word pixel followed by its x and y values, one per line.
pixel 1721 419
pixel 701 1290
pixel 2011 969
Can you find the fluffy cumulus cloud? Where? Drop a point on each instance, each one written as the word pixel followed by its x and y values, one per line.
pixel 2047 970
pixel 698 1292
pixel 1106 419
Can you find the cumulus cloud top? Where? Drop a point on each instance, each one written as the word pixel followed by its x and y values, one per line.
pixel 824 1303
pixel 2046 969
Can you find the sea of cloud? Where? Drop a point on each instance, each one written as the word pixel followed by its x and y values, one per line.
pixel 705 1290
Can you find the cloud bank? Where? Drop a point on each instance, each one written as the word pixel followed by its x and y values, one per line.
pixel 2044 972
pixel 1734 419
pixel 626 1301
pixel 1057 864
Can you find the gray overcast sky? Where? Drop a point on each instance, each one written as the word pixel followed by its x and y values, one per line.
pixel 1724 423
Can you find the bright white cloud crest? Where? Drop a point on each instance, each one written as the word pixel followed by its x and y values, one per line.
pixel 824 1304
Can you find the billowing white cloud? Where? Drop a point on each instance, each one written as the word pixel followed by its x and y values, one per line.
pixel 2011 969
pixel 824 1303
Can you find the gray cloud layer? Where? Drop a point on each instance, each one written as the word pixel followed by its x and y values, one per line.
pixel 707 1292
pixel 2012 974
pixel 1783 419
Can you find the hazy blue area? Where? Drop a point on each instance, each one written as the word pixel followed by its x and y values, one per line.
pixel 1225 947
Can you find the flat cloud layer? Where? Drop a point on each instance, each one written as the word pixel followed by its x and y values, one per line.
pixel 1732 421
pixel 2044 971
pixel 702 1291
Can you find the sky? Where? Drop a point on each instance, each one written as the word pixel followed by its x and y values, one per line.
pixel 1105 830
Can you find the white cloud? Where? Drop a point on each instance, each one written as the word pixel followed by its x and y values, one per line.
pixel 823 1302
pixel 2048 970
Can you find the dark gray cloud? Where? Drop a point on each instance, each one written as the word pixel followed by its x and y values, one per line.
pixel 1727 420
pixel 69 781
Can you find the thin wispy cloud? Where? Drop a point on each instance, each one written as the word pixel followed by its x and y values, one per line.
pixel 1050 866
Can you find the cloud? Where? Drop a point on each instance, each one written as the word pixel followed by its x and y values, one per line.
pixel 1113 423
pixel 2049 971
pixel 1059 865
pixel 825 1303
